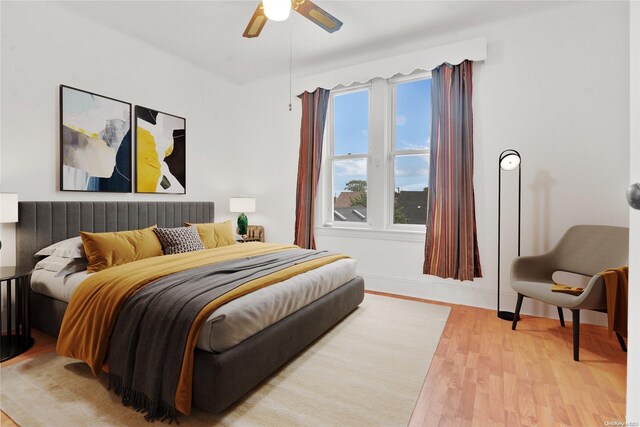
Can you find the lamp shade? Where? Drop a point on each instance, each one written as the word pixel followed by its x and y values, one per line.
pixel 8 207
pixel 277 10
pixel 242 204
pixel 509 160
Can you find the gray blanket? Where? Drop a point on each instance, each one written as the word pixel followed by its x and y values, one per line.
pixel 149 339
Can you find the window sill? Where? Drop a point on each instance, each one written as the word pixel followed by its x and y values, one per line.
pixel 368 233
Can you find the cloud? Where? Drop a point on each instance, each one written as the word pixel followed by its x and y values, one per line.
pixel 406 145
pixel 409 146
pixel 411 172
pixel 351 167
pixel 401 120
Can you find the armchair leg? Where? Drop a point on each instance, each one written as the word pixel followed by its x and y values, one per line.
pixel 621 341
pixel 576 334
pixel 516 315
pixel 561 316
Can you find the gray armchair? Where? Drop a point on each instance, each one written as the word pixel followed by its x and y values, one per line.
pixel 584 249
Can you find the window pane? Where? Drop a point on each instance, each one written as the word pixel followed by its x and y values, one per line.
pixel 350 190
pixel 351 122
pixel 411 178
pixel 413 115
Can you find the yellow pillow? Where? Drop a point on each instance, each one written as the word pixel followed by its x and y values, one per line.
pixel 106 250
pixel 215 234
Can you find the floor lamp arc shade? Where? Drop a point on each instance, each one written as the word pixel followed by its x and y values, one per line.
pixel 242 205
pixel 508 160
pixel 8 209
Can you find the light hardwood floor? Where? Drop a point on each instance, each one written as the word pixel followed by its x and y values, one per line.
pixel 483 373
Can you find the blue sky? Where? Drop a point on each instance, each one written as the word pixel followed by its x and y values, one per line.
pixel 412 131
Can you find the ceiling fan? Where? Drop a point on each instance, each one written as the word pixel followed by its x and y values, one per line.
pixel 278 10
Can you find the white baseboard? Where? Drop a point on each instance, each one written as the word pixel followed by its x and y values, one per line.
pixel 475 297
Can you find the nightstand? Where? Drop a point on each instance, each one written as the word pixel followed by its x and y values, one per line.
pixel 255 233
pixel 245 239
pixel 15 323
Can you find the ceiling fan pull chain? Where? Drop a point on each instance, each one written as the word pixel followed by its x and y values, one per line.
pixel 290 60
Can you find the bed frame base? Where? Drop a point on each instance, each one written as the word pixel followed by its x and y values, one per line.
pixel 221 379
pixel 47 313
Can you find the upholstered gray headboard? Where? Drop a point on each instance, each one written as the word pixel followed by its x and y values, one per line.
pixel 43 223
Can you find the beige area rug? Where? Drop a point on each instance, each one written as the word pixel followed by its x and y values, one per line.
pixel 367 371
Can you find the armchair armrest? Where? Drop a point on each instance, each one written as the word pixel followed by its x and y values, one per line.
pixel 537 268
pixel 594 296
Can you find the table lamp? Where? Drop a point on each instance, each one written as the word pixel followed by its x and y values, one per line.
pixel 242 205
pixel 8 208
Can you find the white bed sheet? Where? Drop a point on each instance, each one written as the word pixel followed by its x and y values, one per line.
pixel 238 319
pixel 61 288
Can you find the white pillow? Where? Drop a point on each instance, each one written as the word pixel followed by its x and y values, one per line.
pixel 62 266
pixel 70 248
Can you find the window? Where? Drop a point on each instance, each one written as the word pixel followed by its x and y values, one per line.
pixel 411 115
pixel 376 168
pixel 349 155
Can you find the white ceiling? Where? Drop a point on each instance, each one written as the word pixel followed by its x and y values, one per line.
pixel 209 33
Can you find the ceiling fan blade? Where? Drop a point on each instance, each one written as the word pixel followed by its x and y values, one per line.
pixel 317 15
pixel 256 23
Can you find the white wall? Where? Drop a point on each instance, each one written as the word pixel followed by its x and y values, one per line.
pixel 633 356
pixel 555 86
pixel 43 46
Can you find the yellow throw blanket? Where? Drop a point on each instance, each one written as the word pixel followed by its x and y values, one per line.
pixel 94 307
pixel 564 289
pixel 616 282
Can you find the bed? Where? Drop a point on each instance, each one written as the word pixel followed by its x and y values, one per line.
pixel 222 373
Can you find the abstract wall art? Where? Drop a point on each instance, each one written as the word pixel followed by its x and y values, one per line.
pixel 95 142
pixel 160 152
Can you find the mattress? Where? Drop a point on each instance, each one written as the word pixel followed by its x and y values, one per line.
pixel 241 318
pixel 61 288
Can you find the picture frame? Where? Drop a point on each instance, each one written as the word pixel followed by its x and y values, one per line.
pixel 95 142
pixel 160 152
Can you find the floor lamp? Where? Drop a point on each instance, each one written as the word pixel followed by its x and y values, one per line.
pixel 507 161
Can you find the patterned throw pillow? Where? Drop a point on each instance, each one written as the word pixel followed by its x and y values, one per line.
pixel 179 240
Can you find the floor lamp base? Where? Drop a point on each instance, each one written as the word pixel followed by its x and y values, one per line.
pixel 507 315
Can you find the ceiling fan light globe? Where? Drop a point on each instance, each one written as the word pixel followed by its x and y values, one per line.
pixel 510 162
pixel 277 10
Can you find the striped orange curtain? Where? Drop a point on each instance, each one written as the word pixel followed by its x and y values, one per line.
pixel 314 114
pixel 451 247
